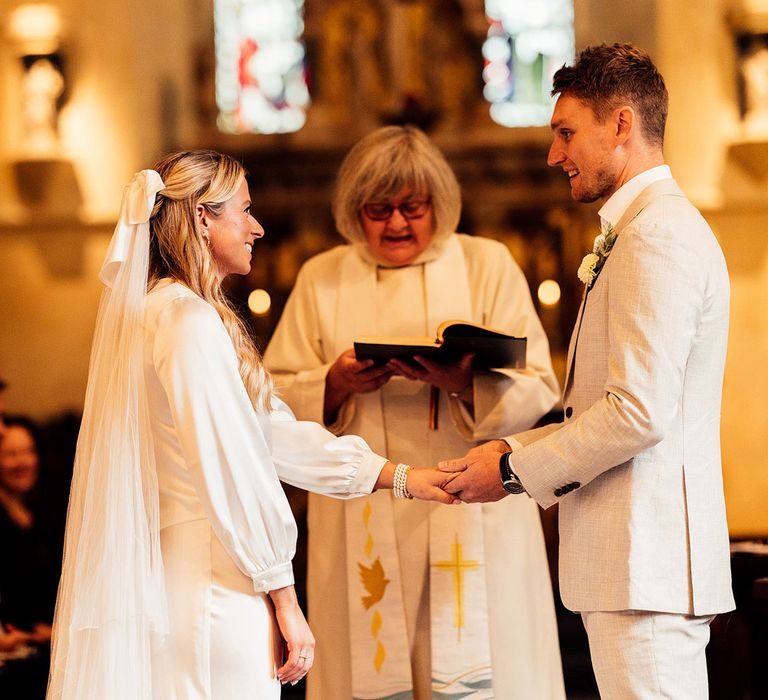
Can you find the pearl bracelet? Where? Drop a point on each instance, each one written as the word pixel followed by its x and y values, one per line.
pixel 399 487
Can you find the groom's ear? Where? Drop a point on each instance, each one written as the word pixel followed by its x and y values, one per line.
pixel 624 121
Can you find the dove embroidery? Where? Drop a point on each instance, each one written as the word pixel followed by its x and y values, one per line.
pixel 372 578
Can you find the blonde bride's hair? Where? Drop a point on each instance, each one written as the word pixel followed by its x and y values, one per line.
pixel 178 249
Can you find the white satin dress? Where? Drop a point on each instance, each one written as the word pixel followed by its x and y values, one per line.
pixel 227 532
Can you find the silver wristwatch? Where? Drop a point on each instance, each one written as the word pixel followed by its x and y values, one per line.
pixel 509 479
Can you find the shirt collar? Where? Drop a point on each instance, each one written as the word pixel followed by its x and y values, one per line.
pixel 612 211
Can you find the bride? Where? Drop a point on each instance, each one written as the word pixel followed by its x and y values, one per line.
pixel 177 579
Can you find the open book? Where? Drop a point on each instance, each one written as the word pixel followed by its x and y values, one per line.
pixel 492 348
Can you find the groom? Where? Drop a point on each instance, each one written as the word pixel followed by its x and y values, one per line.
pixel 635 466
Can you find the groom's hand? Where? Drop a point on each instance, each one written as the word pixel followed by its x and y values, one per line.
pixel 493 446
pixel 478 479
pixel 459 465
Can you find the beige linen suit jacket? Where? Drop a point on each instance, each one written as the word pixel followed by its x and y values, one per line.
pixel 636 465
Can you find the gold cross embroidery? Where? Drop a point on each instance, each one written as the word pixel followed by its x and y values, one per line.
pixel 458 565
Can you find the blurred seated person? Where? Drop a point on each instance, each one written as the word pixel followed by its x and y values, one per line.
pixel 3 385
pixel 11 640
pixel 29 552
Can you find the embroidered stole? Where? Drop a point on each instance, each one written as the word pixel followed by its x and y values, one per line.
pixel 461 660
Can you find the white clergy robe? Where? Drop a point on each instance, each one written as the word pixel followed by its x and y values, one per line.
pixel 339 295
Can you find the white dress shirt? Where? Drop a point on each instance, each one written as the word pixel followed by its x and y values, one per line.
pixel 614 208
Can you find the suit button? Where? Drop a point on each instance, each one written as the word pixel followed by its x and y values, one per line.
pixel 558 492
pixel 576 484
pixel 569 411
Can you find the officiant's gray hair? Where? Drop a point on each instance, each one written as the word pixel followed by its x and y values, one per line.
pixel 383 164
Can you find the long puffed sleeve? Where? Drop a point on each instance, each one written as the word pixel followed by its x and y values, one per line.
pixel 223 442
pixel 506 401
pixel 308 456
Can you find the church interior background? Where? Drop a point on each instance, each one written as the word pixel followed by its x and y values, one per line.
pixel 92 92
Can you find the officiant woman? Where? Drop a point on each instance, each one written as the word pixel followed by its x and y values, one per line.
pixel 404 594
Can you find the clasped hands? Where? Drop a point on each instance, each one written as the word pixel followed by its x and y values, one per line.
pixel 473 478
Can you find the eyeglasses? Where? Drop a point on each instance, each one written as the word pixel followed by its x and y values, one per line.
pixel 410 209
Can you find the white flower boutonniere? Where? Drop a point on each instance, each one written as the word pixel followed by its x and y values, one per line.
pixel 587 272
pixel 593 262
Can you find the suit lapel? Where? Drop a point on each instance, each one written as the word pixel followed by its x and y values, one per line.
pixel 572 343
pixel 666 187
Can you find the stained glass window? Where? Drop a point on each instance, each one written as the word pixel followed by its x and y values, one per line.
pixel 528 40
pixel 260 79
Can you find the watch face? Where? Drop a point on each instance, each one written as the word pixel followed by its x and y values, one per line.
pixel 509 480
pixel 513 486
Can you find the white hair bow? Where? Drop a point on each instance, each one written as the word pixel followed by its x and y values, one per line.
pixel 138 201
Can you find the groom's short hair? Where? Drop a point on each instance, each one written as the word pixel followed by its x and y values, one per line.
pixel 607 76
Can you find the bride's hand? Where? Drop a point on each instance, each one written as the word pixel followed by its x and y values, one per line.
pixel 428 485
pixel 299 641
